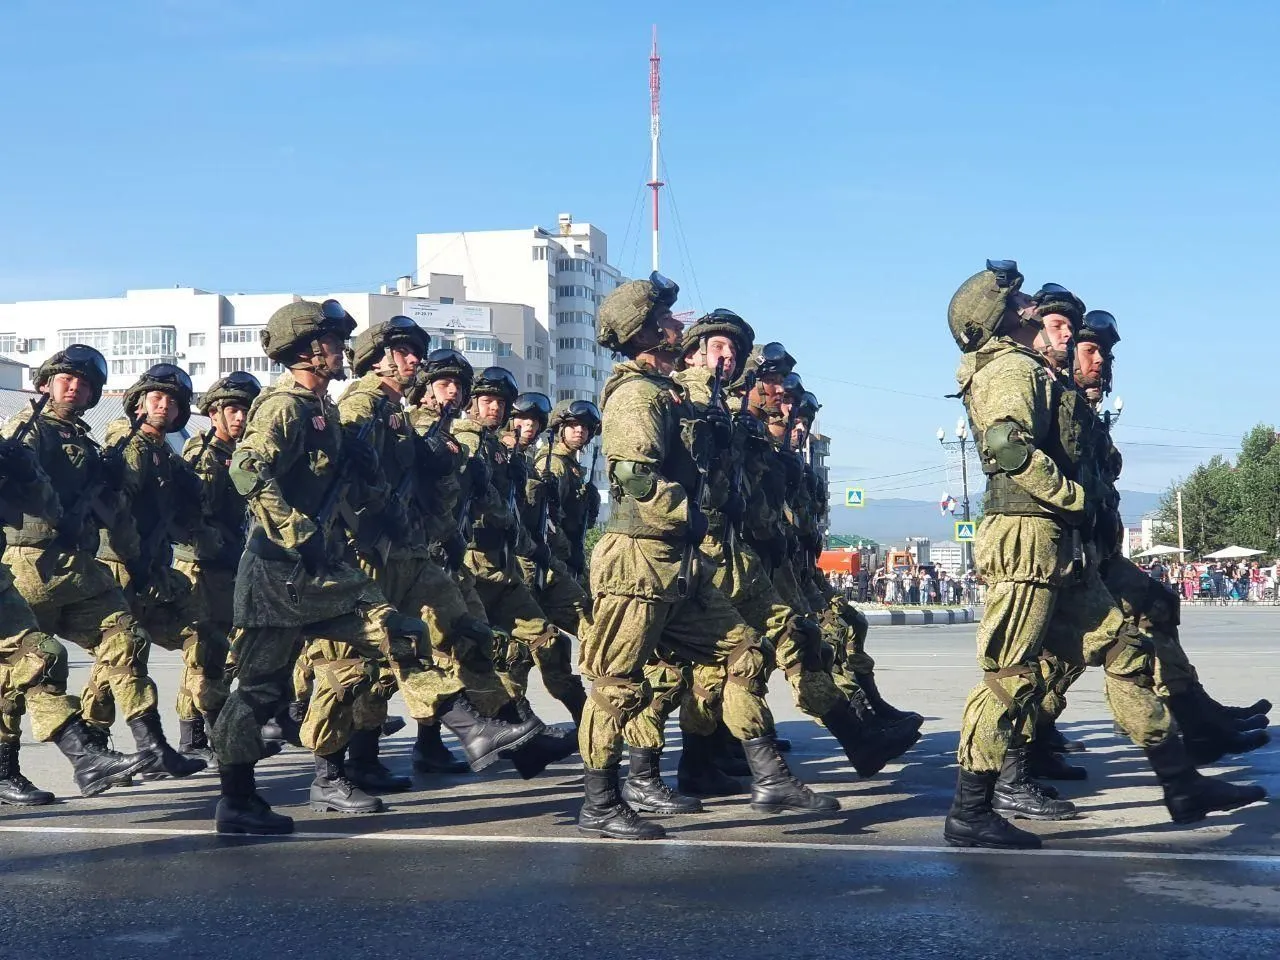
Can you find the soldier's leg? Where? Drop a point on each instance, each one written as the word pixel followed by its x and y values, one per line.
pixel 1044 752
pixel 708 765
pixel 645 736
pixel 567 606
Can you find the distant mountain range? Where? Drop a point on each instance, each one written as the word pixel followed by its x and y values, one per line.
pixel 892 520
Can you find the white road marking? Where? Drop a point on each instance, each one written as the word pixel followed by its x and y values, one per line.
pixel 838 848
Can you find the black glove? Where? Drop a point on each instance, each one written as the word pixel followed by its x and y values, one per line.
pixel 188 486
pixel 112 468
pixel 541 555
pixel 71 526
pixel 363 457
pixel 735 508
pixel 577 560
pixel 139 571
pixel 395 521
pixel 455 550
pixel 313 555
pixel 697 527
pixel 721 425
pixel 795 470
pixel 435 455
pixel 480 473
pixel 18 462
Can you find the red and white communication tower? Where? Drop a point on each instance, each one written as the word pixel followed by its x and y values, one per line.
pixel 655 131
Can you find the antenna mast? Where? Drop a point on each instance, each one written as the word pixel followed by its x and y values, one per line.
pixel 655 131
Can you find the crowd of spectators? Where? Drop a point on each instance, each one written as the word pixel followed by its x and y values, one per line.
pixel 1226 582
pixel 921 586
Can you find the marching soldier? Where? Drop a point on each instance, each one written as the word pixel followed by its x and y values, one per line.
pixel 573 425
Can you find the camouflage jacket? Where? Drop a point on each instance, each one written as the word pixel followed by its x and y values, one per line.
pixel 226 515
pixel 496 530
pixel 35 499
pixel 441 495
pixel 578 501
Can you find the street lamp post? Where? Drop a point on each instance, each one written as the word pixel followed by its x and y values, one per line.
pixel 962 441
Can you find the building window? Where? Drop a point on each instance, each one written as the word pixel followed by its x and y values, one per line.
pixel 533 353
pixel 574 370
pixel 480 344
pixel 239 335
pixel 564 395
pixel 35 344
pixel 197 369
pixel 446 299
pixel 504 349
pixel 98 339
pixel 158 343
pixel 539 380
pixel 8 342
pixel 259 364
pixel 539 253
pixel 195 339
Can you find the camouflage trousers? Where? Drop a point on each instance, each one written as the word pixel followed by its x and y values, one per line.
pixel 75 597
pixel 344 654
pixel 511 609
pixel 628 632
pixel 567 606
pixel 1079 625
pixel 846 628
pixel 33 671
pixel 170 612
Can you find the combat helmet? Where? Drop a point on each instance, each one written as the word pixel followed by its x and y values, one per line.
pixel 439 364
pixel 807 406
pixel 496 382
pixel 771 358
pixel 166 378
pixel 576 411
pixel 79 359
pixel 719 323
pixel 534 406
pixel 303 321
pixel 238 387
pixel 626 311
pixel 1100 327
pixel 374 344
pixel 977 308
pixel 1055 298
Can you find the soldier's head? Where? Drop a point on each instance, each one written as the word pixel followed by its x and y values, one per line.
pixel 443 378
pixel 576 422
pixel 985 303
pixel 161 398
pixel 529 416
pixel 227 403
pixel 1047 323
pixel 309 337
pixel 636 321
pixel 393 349
pixel 807 407
pixel 770 364
pixel 720 337
pixel 73 378
pixel 492 394
pixel 1096 340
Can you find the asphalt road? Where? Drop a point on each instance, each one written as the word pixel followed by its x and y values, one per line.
pixel 491 866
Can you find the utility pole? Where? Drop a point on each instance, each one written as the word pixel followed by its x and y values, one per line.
pixel 1181 543
pixel 962 441
pixel 655 132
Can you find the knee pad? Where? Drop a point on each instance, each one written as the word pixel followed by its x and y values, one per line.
pixel 1130 658
pixel 745 664
pixel 125 645
pixel 41 660
pixel 346 679
pixel 622 698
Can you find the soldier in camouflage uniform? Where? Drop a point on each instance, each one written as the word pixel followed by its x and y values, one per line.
pixel 573 424
pixel 33 664
pixel 390 543
pixel 652 590
pixel 209 562
pixel 162 497
pixel 555 589
pixel 1042 589
pixel 1209 730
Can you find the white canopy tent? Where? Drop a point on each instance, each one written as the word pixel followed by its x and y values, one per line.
pixel 1158 550
pixel 1232 553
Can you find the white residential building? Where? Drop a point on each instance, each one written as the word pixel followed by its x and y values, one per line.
pixel 563 274
pixel 211 334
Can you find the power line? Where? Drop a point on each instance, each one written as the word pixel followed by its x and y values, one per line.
pixel 869 386
pixel 682 239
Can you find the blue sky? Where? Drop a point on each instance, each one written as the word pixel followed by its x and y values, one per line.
pixel 837 170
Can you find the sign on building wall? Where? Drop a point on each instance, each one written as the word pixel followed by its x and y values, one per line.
pixel 448 316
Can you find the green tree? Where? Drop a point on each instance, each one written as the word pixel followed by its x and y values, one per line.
pixel 1257 522
pixel 1210 501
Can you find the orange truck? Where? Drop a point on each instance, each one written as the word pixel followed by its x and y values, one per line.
pixel 840 561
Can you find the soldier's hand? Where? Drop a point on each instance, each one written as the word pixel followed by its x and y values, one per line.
pixel 577 560
pixel 721 425
pixel 735 508
pixel 112 467
pixel 794 469
pixel 363 457
pixel 18 462
pixel 455 550
pixel 697 527
pixel 188 487
pixel 436 455
pixel 139 571
pixel 541 555
pixel 313 555
pixel 480 473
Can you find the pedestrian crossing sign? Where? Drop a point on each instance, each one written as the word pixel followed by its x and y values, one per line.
pixel 853 497
pixel 964 531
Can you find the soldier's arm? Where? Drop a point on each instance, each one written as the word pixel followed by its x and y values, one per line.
pixel 121 527
pixel 355 409
pixel 35 496
pixel 1014 404
pixel 206 534
pixel 273 443
pixel 635 447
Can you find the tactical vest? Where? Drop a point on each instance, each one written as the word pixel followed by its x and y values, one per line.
pixel 228 511
pixel 441 494
pixel 155 506
pixel 307 480
pixel 682 434
pixel 572 506
pixel 70 457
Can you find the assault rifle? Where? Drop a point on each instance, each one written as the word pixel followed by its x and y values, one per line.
pixel 700 485
pixel 333 497
pixel 403 491
pixel 544 518
pixel 739 462
pixel 16 441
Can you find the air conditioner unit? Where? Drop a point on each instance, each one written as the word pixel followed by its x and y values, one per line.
pixel 181 356
pixel 20 345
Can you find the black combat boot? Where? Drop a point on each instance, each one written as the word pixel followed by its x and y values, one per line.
pixel 1259 721
pixel 644 788
pixel 1047 732
pixel 727 753
pixel 241 810
pixel 165 761
pixel 605 814
pixel 366 770
pixel 575 698
pixel 392 725
pixel 883 709
pixel 1236 713
pixel 868 748
pixel 1188 796
pixel 430 755
pixel 1017 795
pixel 972 822
pixel 332 791
pixel 1044 763
pixel 15 789
pixel 550 745
pixel 96 768
pixel 100 737
pixel 485 739
pixel 697 774
pixel 193 741
pixel 774 789
pixel 1210 735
